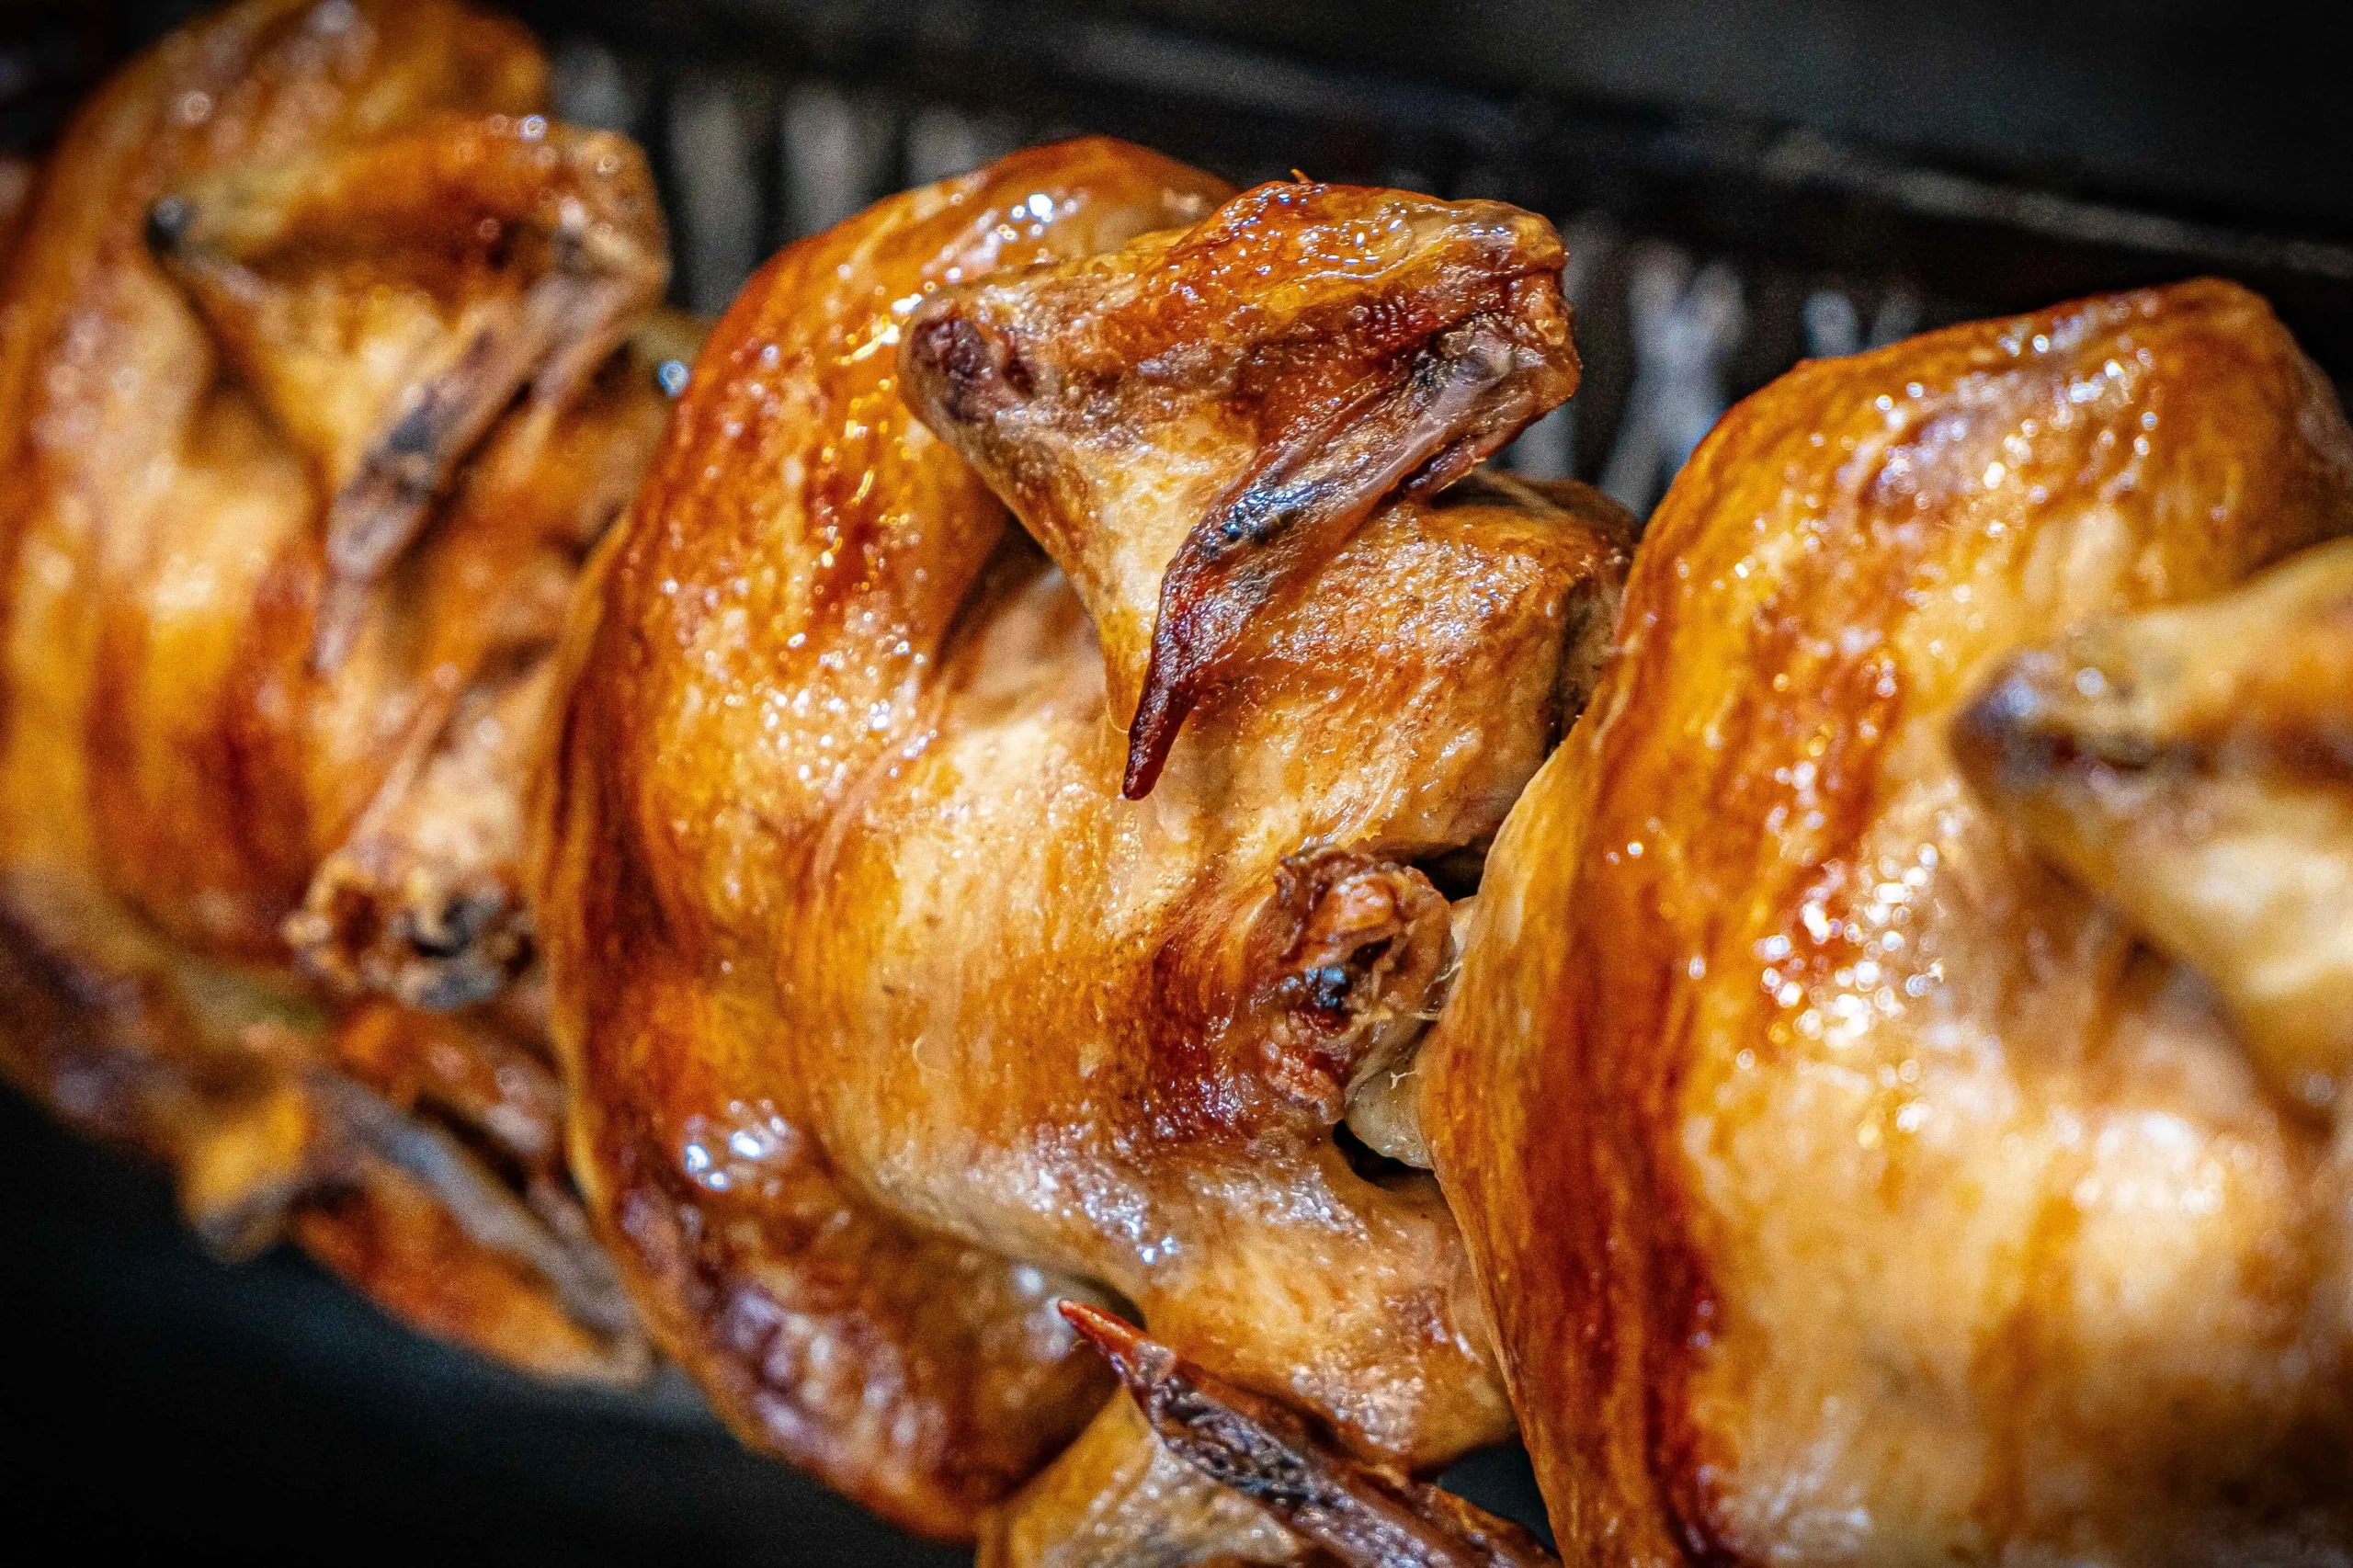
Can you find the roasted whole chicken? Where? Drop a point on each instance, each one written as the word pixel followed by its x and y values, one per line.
pixel 1889 1094
pixel 890 1022
pixel 323 358
pixel 1118 950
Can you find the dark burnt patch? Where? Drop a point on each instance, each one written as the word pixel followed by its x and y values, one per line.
pixel 1364 1516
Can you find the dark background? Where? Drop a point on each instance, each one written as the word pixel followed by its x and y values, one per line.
pixel 158 1400
pixel 2237 109
pixel 161 1401
pixel 1968 157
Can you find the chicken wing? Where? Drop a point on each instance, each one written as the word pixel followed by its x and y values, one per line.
pixel 889 1020
pixel 312 398
pixel 1845 1185
pixel 2194 767
pixel 1408 339
pixel 1188 1470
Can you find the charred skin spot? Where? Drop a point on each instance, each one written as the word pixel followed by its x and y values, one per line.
pixel 2031 724
pixel 978 374
pixel 412 436
pixel 1358 945
pixel 382 509
pixel 1016 372
pixel 168 222
pixel 1361 1515
pixel 952 348
pixel 1325 989
pixel 1258 517
pixel 463 920
pixel 1167 699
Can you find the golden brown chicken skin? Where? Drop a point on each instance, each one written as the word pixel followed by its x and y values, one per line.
pixel 1278 371
pixel 890 1021
pixel 312 397
pixel 1845 1184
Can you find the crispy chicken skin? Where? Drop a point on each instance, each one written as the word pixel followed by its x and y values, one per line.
pixel 312 397
pixel 1189 442
pixel 1845 1184
pixel 889 1020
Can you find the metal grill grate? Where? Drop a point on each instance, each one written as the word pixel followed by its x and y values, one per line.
pixel 1708 255
pixel 1707 258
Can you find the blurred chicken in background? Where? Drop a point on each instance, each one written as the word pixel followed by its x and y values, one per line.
pixel 326 358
